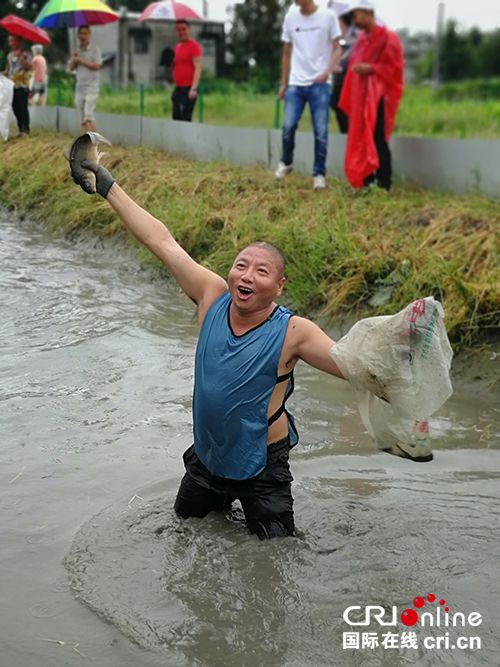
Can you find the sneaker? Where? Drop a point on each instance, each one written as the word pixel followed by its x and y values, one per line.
pixel 282 170
pixel 319 182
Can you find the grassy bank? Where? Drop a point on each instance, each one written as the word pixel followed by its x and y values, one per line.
pixel 345 251
pixel 421 113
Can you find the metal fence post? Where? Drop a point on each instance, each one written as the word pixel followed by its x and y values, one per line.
pixel 141 111
pixel 200 104
pixel 58 104
pixel 277 108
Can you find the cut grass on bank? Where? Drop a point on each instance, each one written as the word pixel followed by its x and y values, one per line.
pixel 346 251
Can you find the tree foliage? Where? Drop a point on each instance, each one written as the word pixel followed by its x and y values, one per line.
pixel 464 55
pixel 255 40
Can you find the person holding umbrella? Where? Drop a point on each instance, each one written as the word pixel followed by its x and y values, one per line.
pixel 19 64
pixel 86 62
pixel 18 70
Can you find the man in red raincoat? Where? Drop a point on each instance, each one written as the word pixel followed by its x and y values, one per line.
pixel 370 97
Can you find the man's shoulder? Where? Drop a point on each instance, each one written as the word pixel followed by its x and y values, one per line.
pixel 93 49
pixel 295 19
pixel 298 326
pixel 327 14
pixel 393 36
pixel 195 46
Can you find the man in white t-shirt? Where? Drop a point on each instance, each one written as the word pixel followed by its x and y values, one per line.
pixel 310 54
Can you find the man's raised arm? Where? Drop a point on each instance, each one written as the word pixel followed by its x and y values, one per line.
pixel 199 283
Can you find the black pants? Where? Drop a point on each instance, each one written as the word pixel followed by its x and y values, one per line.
pixel 383 176
pixel 266 499
pixel 342 120
pixel 20 109
pixel 182 106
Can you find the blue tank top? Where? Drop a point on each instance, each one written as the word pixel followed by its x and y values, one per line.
pixel 234 379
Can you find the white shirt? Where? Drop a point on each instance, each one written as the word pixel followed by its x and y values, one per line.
pixel 311 38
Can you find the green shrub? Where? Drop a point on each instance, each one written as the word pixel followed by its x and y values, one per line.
pixel 482 89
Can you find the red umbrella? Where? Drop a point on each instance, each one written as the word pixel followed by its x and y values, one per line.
pixel 168 9
pixel 24 29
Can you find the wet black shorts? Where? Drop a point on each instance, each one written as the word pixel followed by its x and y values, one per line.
pixel 266 499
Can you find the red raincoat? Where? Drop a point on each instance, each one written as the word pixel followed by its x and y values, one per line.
pixel 361 95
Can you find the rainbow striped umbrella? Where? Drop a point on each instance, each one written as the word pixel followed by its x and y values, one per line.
pixel 73 13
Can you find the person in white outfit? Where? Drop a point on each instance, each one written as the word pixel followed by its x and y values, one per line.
pixel 311 53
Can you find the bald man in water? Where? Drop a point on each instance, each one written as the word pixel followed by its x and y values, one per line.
pixel 246 353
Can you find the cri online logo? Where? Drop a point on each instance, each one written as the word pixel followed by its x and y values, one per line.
pixel 410 617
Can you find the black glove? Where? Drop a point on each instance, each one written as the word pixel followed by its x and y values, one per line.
pixel 104 180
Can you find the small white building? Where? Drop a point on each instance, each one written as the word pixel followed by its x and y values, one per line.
pixel 132 49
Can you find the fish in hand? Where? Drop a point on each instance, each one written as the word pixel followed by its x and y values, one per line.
pixel 85 149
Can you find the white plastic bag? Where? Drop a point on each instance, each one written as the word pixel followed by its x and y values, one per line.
pixel 6 95
pixel 399 369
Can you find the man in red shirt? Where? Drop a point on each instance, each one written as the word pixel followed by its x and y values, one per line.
pixel 186 72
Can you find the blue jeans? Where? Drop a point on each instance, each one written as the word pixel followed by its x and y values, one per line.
pixel 317 96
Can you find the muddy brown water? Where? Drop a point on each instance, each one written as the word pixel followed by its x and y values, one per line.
pixel 96 371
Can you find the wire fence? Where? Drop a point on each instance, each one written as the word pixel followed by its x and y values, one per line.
pixel 154 101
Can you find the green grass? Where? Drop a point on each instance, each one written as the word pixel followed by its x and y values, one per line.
pixel 342 247
pixel 421 113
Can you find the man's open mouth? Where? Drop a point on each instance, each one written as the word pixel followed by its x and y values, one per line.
pixel 244 291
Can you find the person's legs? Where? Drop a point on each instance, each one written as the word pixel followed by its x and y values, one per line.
pixel 195 496
pixel 383 175
pixel 294 106
pixel 269 509
pixel 42 99
pixel 193 499
pixel 176 104
pixel 80 107
pixel 188 109
pixel 342 120
pixel 20 109
pixel 16 103
pixel 318 98
pixel 182 106
pixel 90 102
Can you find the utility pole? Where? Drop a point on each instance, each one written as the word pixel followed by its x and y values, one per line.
pixel 205 9
pixel 437 52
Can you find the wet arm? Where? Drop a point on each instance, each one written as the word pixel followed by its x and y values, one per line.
pixel 313 345
pixel 199 283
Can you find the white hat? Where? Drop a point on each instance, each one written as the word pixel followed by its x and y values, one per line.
pixel 359 4
pixel 340 8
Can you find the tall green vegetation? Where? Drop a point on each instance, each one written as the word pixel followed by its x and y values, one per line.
pixel 464 55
